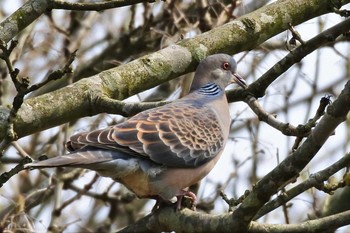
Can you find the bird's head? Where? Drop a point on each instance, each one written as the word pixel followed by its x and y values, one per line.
pixel 217 68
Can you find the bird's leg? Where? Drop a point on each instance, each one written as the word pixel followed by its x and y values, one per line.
pixel 189 194
pixel 193 199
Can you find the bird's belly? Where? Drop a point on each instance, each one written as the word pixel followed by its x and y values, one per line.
pixel 139 183
pixel 166 184
pixel 173 180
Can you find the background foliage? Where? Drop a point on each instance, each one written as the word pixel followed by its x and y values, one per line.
pixel 71 43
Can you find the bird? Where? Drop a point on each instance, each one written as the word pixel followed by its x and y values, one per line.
pixel 160 152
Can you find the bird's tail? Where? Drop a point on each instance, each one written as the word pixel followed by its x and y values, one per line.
pixel 82 158
pixel 106 162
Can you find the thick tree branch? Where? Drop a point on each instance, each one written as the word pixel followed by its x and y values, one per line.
pixel 168 219
pixel 80 99
pixel 314 180
pixel 33 9
pixel 318 225
pixel 259 87
pixel 290 168
pixel 328 36
pixel 21 18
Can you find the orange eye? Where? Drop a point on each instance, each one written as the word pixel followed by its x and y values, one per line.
pixel 226 66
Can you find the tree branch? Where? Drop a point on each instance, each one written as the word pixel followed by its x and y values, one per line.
pixel 93 6
pixel 80 99
pixel 290 168
pixel 168 219
pixel 328 36
pixel 22 18
pixel 314 180
pixel 318 225
pixel 287 129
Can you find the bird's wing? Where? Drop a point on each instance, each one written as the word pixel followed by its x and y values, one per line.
pixel 176 135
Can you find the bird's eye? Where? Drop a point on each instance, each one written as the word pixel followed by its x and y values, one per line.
pixel 226 66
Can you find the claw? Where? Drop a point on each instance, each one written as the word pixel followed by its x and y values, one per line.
pixel 190 195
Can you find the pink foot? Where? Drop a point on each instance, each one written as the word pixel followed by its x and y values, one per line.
pixel 188 194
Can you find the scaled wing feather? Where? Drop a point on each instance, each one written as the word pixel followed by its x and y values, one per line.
pixel 176 137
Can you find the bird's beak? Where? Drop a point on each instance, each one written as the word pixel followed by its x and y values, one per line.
pixel 236 78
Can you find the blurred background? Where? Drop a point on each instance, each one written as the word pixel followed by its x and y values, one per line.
pixel 75 200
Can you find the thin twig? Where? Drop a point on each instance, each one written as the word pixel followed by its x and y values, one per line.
pixel 93 6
